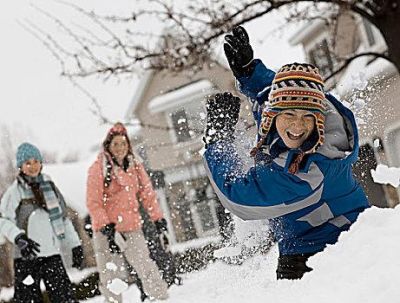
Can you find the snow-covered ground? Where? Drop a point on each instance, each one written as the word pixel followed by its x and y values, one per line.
pixel 364 266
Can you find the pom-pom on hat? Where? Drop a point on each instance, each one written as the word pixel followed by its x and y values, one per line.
pixel 27 151
pixel 118 129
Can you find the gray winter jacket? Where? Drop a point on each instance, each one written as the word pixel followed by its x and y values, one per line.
pixel 19 214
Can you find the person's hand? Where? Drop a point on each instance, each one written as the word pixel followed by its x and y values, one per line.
pixel 239 52
pixel 77 257
pixel 109 232
pixel 28 247
pixel 88 226
pixel 222 116
pixel 161 226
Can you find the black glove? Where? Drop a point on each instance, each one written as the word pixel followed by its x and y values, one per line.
pixel 77 256
pixel 161 226
pixel 239 52
pixel 28 247
pixel 222 116
pixel 109 232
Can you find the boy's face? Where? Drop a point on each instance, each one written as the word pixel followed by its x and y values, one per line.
pixel 294 126
pixel 31 167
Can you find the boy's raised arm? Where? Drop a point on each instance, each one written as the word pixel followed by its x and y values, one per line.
pixel 252 75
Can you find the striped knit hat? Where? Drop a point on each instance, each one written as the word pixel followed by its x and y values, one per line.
pixel 295 86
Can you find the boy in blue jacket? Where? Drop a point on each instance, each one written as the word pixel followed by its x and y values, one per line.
pixel 307 142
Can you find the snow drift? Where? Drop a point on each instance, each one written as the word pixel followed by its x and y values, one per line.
pixel 363 266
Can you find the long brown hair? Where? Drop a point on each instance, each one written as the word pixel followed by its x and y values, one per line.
pixel 117 130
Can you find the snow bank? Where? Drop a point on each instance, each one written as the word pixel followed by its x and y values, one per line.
pixel 363 267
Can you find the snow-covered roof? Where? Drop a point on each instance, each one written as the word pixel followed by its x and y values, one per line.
pixel 310 27
pixel 305 31
pixel 181 96
pixel 70 178
pixel 269 48
pixel 139 92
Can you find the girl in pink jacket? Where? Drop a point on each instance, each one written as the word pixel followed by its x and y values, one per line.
pixel 116 180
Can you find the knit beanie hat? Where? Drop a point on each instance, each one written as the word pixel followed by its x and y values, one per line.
pixel 118 129
pixel 295 86
pixel 27 151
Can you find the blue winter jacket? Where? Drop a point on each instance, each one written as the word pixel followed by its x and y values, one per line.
pixel 307 210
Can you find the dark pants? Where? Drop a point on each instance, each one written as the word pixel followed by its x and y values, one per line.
pixel 164 259
pixel 292 267
pixel 49 269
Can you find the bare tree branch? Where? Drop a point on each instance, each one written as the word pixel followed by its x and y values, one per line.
pixel 349 60
pixel 98 112
pixel 193 30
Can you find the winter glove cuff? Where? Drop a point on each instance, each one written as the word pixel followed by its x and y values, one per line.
pixel 246 70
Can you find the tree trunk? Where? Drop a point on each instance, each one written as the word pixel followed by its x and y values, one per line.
pixel 388 24
pixel 6 265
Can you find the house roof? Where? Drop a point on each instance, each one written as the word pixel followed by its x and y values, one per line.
pixel 140 91
pixel 305 31
pixel 260 43
pixel 181 95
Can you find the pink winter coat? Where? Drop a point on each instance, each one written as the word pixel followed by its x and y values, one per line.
pixel 118 203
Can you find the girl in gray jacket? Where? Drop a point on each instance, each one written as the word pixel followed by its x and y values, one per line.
pixel 34 218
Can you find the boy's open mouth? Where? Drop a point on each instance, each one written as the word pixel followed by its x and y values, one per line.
pixel 294 136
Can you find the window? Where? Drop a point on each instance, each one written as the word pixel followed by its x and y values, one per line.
pixel 320 56
pixel 188 122
pixel 203 207
pixel 181 126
